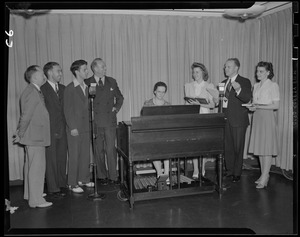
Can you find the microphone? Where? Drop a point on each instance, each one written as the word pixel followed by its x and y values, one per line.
pixel 221 89
pixel 92 90
pixel 221 96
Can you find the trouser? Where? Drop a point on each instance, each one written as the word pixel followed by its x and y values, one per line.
pixel 79 158
pixel 56 161
pixel 34 175
pixel 234 149
pixel 105 146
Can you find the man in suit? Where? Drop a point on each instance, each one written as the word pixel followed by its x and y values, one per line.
pixel 76 110
pixel 107 103
pixel 237 92
pixel 33 131
pixel 56 153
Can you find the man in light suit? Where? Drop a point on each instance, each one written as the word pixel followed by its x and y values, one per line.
pixel 76 110
pixel 33 131
pixel 56 153
pixel 237 92
pixel 107 103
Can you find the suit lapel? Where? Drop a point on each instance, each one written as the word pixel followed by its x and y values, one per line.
pixel 53 94
pixel 41 98
pixel 80 93
pixel 39 92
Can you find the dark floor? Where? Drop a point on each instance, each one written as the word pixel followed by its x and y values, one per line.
pixel 242 209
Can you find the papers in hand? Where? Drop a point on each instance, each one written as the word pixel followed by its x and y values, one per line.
pixel 200 100
pixel 214 92
pixel 247 105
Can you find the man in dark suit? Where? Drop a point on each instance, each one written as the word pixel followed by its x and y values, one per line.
pixel 237 92
pixel 107 103
pixel 76 110
pixel 33 131
pixel 56 153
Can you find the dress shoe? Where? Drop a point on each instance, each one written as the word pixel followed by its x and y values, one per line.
pixel 227 175
pixel 263 184
pixel 236 178
pixel 225 186
pixel 46 204
pixel 257 181
pixel 204 179
pixel 60 194
pixel 195 176
pixel 116 182
pixel 89 184
pixel 77 189
pixel 57 194
pixel 103 181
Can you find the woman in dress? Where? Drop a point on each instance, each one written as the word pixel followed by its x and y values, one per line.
pixel 198 89
pixel 159 91
pixel 263 140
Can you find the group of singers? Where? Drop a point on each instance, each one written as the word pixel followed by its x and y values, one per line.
pixel 54 124
pixel 240 98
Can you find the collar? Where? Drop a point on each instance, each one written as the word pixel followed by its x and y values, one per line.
pixel 202 82
pixel 97 79
pixel 233 78
pixel 102 79
pixel 76 83
pixel 52 84
pixel 37 87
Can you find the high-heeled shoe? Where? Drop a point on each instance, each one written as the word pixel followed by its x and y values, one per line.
pixel 257 181
pixel 195 176
pixel 264 184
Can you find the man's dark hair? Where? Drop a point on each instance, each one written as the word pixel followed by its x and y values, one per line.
pixel 49 66
pixel 76 65
pixel 29 72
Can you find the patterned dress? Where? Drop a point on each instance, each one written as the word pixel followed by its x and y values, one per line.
pixel 198 90
pixel 264 133
pixel 151 103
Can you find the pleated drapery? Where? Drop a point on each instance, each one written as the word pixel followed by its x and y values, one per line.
pixel 140 50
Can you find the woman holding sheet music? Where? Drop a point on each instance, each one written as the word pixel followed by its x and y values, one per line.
pixel 193 91
pixel 263 140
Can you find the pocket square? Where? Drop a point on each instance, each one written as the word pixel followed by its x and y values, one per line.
pixel 111 89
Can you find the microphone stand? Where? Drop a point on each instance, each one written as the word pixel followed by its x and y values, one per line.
pixel 221 97
pixel 94 196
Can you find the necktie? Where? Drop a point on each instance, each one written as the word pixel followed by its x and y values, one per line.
pixel 228 88
pixel 100 82
pixel 42 96
pixel 56 88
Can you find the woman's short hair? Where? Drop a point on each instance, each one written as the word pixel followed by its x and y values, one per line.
pixel 160 83
pixel 203 69
pixel 268 66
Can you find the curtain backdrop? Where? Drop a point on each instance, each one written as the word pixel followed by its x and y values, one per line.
pixel 140 50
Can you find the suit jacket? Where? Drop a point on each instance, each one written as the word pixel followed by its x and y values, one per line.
pixel 34 124
pixel 76 108
pixel 236 114
pixel 107 97
pixel 54 105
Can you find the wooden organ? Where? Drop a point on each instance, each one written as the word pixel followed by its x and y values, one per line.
pixel 174 137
